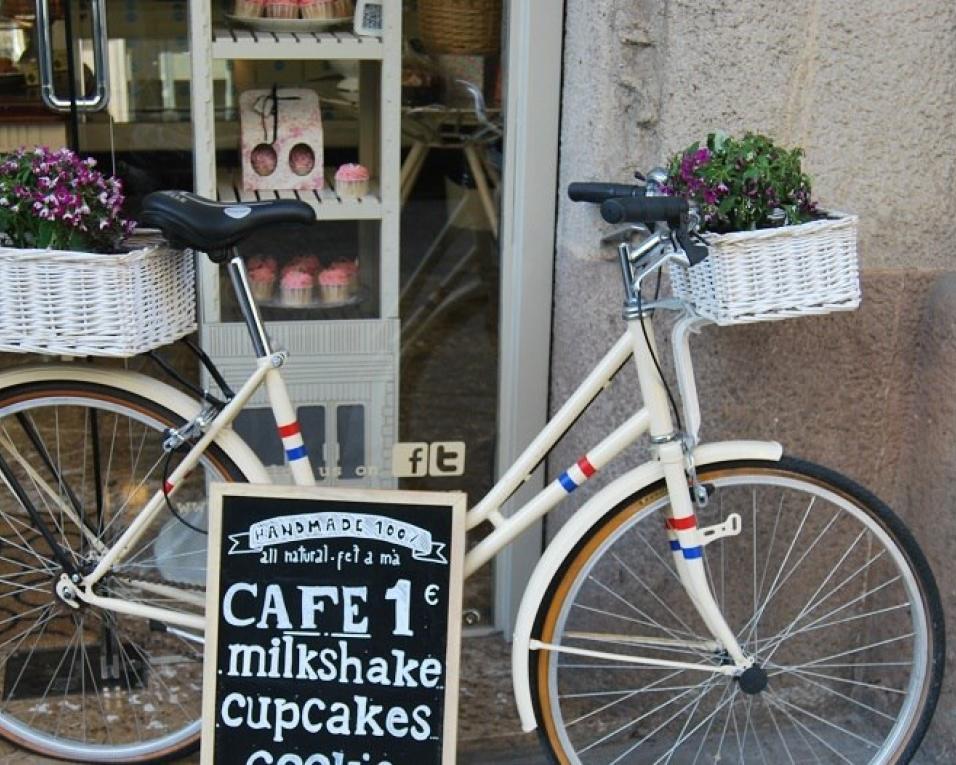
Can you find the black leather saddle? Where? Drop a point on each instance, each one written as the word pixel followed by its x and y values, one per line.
pixel 189 220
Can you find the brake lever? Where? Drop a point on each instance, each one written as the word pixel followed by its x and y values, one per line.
pixel 695 252
pixel 626 234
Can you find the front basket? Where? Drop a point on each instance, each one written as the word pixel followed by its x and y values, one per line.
pixel 774 273
pixel 88 304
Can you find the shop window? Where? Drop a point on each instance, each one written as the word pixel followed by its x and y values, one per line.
pixel 350 431
pixel 312 422
pixel 257 427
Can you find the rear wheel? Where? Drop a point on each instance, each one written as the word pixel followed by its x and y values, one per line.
pixel 84 684
pixel 824 587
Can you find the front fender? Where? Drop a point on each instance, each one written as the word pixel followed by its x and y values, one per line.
pixel 574 530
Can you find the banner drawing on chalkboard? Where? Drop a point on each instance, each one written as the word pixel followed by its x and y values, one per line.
pixel 285 529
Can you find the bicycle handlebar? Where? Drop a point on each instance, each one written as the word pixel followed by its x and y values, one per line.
pixel 644 210
pixel 600 192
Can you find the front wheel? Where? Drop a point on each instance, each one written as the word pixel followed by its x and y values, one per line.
pixel 825 589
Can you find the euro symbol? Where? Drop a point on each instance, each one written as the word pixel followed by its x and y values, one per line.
pixel 431 594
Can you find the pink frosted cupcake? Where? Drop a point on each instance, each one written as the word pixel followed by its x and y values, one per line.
pixel 350 267
pixel 282 9
pixel 337 283
pixel 308 263
pixel 351 181
pixel 263 281
pixel 297 287
pixel 261 261
pixel 250 9
pixel 262 272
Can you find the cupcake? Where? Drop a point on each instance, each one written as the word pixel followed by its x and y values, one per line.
pixel 351 268
pixel 261 261
pixel 308 263
pixel 297 287
pixel 263 282
pixel 282 9
pixel 250 8
pixel 335 285
pixel 351 181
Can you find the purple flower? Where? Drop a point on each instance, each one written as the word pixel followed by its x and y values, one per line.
pixel 64 190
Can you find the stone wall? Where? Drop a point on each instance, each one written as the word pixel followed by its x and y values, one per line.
pixel 869 90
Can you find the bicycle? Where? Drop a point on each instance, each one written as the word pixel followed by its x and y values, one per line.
pixel 622 653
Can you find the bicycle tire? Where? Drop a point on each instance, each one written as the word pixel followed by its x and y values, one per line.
pixel 83 684
pixel 853 671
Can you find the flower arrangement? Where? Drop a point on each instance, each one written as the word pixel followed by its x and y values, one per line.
pixel 57 200
pixel 742 184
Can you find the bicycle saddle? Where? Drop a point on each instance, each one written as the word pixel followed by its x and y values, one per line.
pixel 189 220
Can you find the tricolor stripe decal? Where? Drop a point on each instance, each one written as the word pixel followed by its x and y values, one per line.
pixel 292 442
pixel 577 474
pixel 681 524
pixel 689 553
pixel 567 482
pixel 292 429
pixel 297 453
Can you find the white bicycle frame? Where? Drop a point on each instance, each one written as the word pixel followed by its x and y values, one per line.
pixel 675 456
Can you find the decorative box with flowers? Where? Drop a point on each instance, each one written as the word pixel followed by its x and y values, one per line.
pixel 772 253
pixel 72 282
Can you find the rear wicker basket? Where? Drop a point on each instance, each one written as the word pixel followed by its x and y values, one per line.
pixel 774 273
pixel 87 304
pixel 460 26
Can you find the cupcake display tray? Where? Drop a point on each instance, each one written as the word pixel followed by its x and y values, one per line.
pixel 267 24
pixel 316 303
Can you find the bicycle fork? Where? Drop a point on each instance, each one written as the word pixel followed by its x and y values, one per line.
pixel 687 540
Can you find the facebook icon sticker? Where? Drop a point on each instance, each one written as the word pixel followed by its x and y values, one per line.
pixel 414 459
pixel 410 459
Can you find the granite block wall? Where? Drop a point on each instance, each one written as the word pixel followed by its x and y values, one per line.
pixel 868 89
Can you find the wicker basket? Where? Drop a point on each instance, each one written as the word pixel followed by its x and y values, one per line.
pixel 86 304
pixel 460 26
pixel 774 273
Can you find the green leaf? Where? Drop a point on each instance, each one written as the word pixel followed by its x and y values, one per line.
pixel 45 233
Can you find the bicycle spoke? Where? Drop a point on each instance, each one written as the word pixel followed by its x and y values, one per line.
pixel 803 727
pixel 776 727
pixel 653 594
pixel 650 735
pixel 805 676
pixel 828 723
pixel 617 596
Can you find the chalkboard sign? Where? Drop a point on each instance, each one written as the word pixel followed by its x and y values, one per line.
pixel 333 629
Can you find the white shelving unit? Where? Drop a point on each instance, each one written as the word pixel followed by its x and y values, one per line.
pixel 337 367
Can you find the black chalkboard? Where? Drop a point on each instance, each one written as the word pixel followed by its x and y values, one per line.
pixel 333 626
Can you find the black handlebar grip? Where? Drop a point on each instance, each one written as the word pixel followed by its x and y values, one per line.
pixel 644 209
pixel 599 192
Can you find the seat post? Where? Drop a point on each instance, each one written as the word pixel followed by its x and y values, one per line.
pixel 247 305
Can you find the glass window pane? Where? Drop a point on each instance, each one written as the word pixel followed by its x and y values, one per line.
pixel 312 422
pixel 350 431
pixel 257 427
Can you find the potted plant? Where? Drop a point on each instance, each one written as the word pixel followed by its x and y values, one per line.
pixel 56 200
pixel 72 284
pixel 773 252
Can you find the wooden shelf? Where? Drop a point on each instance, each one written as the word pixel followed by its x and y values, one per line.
pixel 326 203
pixel 250 44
